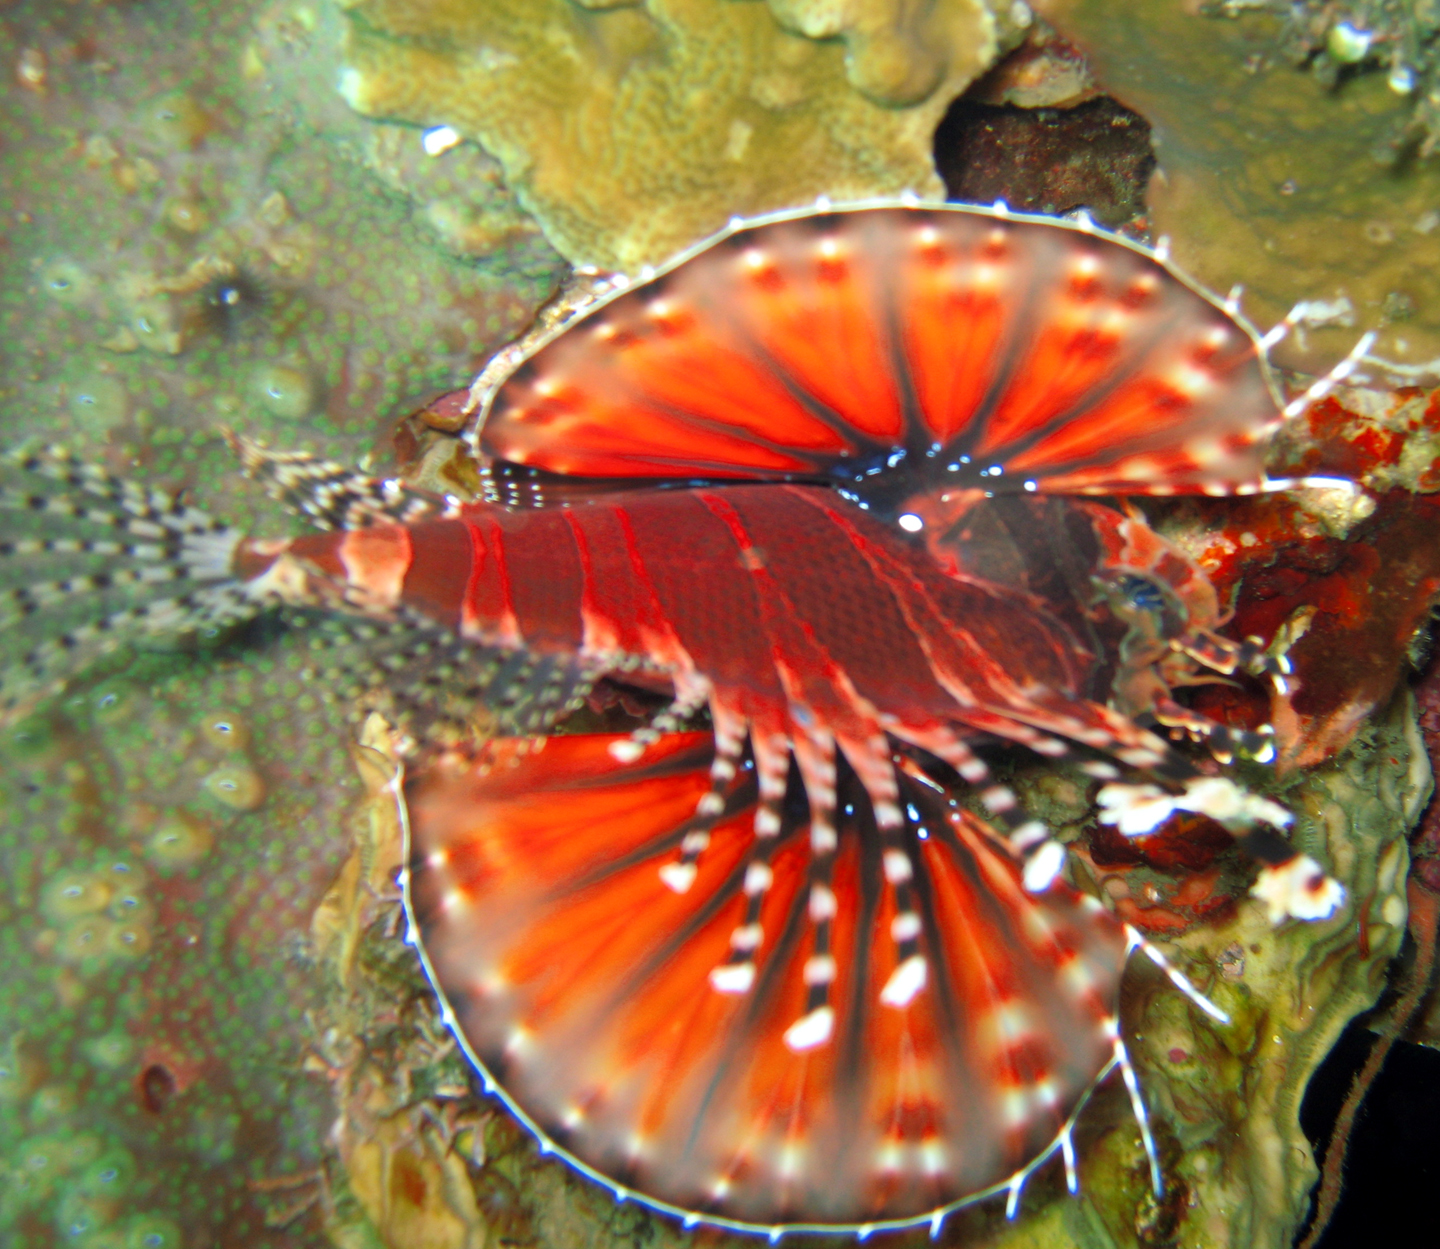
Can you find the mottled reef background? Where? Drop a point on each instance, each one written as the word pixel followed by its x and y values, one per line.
pixel 222 214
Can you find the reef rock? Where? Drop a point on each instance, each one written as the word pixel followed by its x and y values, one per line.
pixel 631 130
pixel 1270 180
pixel 1226 1098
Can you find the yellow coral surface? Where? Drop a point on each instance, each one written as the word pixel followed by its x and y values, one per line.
pixel 631 130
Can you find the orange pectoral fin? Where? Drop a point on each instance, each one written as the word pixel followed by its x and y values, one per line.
pixel 583 980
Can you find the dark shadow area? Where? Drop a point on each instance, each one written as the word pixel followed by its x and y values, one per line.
pixel 1392 1167
pixel 1095 156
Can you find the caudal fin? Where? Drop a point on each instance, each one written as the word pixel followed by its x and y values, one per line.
pixel 89 561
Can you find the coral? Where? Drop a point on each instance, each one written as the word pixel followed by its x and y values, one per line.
pixel 1094 156
pixel 1351 576
pixel 1037 132
pixel 1240 1133
pixel 1226 1098
pixel 1268 180
pixel 1384 439
pixel 1352 602
pixel 189 249
pixel 633 130
pixel 1424 918
pixel 154 1001
pixel 1348 575
pixel 401 1096
pixel 1045 71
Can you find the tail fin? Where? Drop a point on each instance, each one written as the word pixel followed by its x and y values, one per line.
pixel 89 561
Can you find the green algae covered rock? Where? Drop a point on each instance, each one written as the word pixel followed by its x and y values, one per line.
pixel 1269 180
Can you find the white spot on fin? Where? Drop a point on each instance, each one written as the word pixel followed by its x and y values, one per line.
pixel 733 977
pixel 678 876
pixel 905 982
pixel 810 1031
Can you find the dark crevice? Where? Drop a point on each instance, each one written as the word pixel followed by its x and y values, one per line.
pixel 1095 156
pixel 1392 1164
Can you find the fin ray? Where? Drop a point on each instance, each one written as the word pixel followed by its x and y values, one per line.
pixel 830 345
pixel 585 989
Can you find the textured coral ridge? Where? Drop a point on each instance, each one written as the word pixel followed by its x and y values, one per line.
pixel 694 109
pixel 1239 1168
pixel 1350 574
pixel 153 997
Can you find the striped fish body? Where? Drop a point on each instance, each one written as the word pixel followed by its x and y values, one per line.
pixel 778 975
pixel 765 596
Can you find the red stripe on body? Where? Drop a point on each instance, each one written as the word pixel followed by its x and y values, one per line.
pixel 441 564
pixel 488 612
pixel 849 610
pixel 619 604
pixel 982 640
pixel 687 560
pixel 801 657
pixel 1020 666
pixel 321 551
pixel 598 632
pixel 546 580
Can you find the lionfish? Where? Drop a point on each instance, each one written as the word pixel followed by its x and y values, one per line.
pixel 828 491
